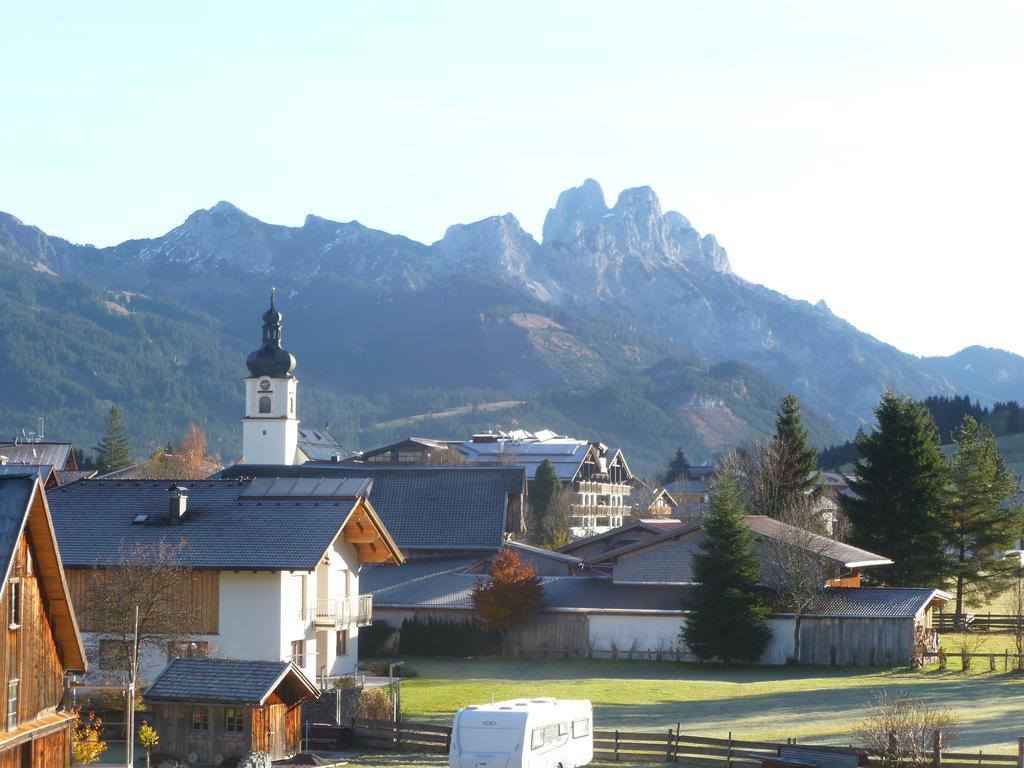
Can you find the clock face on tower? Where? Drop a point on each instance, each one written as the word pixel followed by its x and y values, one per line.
pixel 264 385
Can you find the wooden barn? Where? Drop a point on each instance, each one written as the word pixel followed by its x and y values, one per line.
pixel 41 642
pixel 209 710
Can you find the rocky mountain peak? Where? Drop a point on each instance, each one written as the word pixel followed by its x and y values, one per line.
pixel 576 209
pixel 497 242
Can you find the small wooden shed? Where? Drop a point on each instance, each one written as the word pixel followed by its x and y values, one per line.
pixel 209 710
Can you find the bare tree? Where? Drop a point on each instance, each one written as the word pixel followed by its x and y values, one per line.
pixel 1013 604
pixel 152 577
pixel 796 557
pixel 445 457
pixel 903 731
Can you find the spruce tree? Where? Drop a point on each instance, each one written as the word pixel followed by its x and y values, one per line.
pixel 678 468
pixel 114 450
pixel 982 521
pixel 800 459
pixel 899 489
pixel 727 610
pixel 547 523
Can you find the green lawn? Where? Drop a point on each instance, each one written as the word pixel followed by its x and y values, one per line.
pixel 771 703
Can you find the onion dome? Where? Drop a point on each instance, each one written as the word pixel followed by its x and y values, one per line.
pixel 271 359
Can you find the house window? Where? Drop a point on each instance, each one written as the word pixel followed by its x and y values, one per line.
pixel 233 720
pixel 14 603
pixel 187 649
pixel 409 457
pixel 201 719
pixel 381 457
pixel 299 652
pixel 265 404
pixel 13 688
pixel 114 654
pixel 341 643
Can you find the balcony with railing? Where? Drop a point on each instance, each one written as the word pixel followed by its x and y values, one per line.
pixel 596 517
pixel 343 612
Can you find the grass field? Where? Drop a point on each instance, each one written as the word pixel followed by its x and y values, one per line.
pixel 770 703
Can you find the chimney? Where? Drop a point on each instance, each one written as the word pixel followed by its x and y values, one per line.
pixel 335 458
pixel 178 503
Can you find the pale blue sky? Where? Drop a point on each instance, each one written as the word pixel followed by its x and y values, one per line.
pixel 867 153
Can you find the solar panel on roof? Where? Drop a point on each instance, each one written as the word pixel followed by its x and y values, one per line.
pixel 306 488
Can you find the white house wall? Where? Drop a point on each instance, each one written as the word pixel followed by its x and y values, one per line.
pixel 250 616
pixel 644 634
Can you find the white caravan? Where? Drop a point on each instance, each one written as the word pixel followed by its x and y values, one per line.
pixel 523 733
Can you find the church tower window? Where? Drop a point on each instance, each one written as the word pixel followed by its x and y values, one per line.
pixel 265 404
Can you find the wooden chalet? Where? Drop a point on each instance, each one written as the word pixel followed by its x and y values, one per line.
pixel 41 643
pixel 212 710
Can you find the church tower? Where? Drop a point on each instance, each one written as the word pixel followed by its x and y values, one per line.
pixel 270 431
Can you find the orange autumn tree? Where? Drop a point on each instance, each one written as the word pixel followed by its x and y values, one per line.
pixel 512 596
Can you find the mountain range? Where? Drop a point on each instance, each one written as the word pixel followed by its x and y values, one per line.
pixel 623 323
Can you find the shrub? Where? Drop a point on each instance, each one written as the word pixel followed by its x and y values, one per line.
pixel 900 730
pixel 375 704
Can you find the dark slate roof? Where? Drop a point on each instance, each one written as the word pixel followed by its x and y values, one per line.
pixel 74 475
pixel 15 495
pixel 42 471
pixel 374 578
pixel 54 454
pixel 873 602
pixel 222 530
pixel 221 680
pixel 823 546
pixel 561 593
pixel 438 508
pixel 546 553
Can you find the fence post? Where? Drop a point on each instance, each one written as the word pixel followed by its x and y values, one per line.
pixel 728 753
pixel 937 749
pixel 676 755
pixel 668 746
pixel 616 745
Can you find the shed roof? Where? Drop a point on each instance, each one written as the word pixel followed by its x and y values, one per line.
pixel 230 681
pixel 454 590
pixel 824 547
pixel 874 602
pixel 57 455
pixel 319 444
pixel 435 508
pixel 227 525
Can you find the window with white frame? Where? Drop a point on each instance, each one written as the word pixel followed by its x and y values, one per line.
pixel 13 689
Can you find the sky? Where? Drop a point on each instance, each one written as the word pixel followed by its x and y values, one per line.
pixel 870 154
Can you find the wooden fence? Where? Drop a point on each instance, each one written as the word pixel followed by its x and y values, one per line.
pixel 976 622
pixel 1006 661
pixel 672 746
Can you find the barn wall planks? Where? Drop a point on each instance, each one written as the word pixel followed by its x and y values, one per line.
pixel 201 598
pixel 856 642
pixel 29 653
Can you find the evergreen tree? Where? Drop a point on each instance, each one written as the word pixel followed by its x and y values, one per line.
pixel 547 523
pixel 727 611
pixel 114 451
pixel 678 468
pixel 979 516
pixel 793 473
pixel 899 491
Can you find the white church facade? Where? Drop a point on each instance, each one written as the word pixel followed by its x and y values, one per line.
pixel 271 433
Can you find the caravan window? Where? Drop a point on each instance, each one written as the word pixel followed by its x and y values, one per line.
pixel 580 728
pixel 537 740
pixel 563 729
